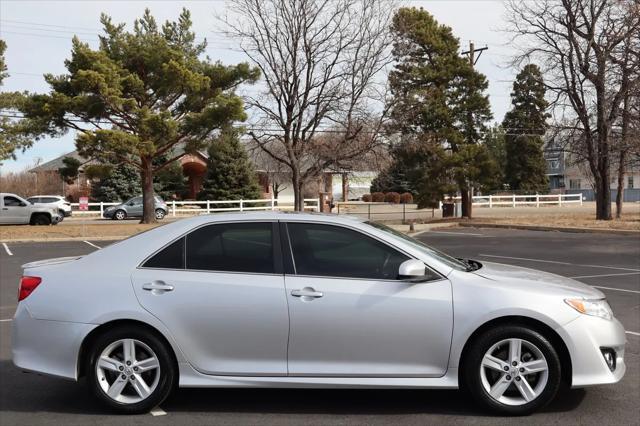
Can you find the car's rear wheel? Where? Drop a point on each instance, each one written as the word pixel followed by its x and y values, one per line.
pixel 160 214
pixel 512 370
pixel 131 370
pixel 41 219
pixel 120 215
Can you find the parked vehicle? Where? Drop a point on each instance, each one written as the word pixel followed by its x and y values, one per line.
pixel 305 300
pixel 54 201
pixel 133 208
pixel 15 210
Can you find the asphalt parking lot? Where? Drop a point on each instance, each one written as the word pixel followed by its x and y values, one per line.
pixel 609 262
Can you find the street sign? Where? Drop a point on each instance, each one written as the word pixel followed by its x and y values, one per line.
pixel 84 203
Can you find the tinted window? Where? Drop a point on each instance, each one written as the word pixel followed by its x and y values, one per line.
pixel 236 247
pixel 33 200
pixel 325 250
pixel 171 257
pixel 12 202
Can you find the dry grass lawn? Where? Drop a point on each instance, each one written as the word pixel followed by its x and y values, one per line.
pixel 21 232
pixel 629 221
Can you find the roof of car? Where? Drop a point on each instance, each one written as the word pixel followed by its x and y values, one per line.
pixel 56 196
pixel 270 215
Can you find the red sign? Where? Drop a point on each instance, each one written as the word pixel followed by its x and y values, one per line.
pixel 84 203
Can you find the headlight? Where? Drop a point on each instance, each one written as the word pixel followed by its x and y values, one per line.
pixel 108 209
pixel 594 307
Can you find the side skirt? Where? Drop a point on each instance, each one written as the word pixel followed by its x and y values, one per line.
pixel 190 378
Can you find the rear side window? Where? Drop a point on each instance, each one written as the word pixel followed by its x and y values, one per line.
pixel 171 257
pixel 49 200
pixel 233 247
pixel 332 251
pixel 33 200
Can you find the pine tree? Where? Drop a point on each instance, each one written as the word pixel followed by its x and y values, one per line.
pixel 230 175
pixel 525 125
pixel 154 87
pixel 438 102
pixel 119 183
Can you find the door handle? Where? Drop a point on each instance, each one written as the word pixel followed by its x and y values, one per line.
pixel 307 293
pixel 157 287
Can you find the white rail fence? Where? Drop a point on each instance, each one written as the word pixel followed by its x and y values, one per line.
pixel 209 206
pixel 524 200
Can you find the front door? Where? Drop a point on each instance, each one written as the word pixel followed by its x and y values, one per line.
pixel 220 291
pixel 351 316
pixel 14 210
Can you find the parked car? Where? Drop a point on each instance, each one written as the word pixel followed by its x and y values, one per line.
pixel 133 208
pixel 305 300
pixel 15 210
pixel 54 201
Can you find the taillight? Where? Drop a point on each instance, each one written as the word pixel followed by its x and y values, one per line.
pixel 27 285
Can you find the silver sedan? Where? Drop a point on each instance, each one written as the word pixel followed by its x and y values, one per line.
pixel 308 301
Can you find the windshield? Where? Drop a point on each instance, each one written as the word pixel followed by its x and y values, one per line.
pixel 430 251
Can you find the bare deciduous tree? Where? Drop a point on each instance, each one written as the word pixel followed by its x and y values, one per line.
pixel 320 63
pixel 578 43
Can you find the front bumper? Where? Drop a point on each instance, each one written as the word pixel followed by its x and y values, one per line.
pixel 585 337
pixel 47 347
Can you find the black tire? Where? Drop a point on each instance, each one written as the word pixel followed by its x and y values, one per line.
pixel 41 219
pixel 473 381
pixel 167 371
pixel 122 213
pixel 160 214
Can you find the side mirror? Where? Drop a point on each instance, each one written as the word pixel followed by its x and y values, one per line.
pixel 23 204
pixel 412 270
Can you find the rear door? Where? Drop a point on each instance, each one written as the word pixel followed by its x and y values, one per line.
pixel 350 315
pixel 220 291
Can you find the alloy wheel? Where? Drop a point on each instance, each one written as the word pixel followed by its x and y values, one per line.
pixel 128 371
pixel 514 372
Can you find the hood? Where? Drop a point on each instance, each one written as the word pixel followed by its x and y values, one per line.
pixel 49 262
pixel 537 280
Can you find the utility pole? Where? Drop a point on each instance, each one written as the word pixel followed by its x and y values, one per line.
pixel 467 195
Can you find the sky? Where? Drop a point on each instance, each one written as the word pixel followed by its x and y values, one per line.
pixel 38 35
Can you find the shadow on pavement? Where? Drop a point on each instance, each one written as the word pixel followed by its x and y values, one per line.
pixel 23 392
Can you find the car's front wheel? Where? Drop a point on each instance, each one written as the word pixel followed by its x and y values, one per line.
pixel 512 370
pixel 131 370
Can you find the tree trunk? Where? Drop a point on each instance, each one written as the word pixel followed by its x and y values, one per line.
pixel 603 197
pixel 298 200
pixel 466 201
pixel 620 194
pixel 148 203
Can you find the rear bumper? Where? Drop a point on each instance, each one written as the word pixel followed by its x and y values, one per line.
pixel 47 347
pixel 585 337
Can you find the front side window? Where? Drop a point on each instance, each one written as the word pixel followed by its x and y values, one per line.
pixel 332 251
pixel 233 247
pixel 135 201
pixel 33 200
pixel 10 201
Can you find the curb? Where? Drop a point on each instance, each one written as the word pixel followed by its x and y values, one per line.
pixel 549 228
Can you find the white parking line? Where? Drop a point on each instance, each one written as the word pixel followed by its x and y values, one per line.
pixel 457 233
pixel 6 248
pixel 559 263
pixel 616 289
pixel 6 320
pixel 158 412
pixel 92 245
pixel 606 275
pixel 633 333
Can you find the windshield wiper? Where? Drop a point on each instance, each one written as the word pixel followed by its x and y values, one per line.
pixel 471 265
